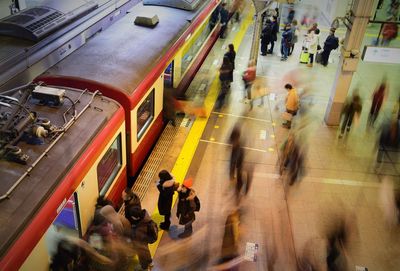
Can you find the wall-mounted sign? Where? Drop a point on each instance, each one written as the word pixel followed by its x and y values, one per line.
pixel 381 54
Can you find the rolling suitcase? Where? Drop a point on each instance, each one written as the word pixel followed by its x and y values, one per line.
pixel 304 56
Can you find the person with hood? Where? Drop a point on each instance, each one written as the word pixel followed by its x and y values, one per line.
pixel 313 44
pixel 166 186
pixel 130 198
pixel 140 235
pixel 186 207
pixel 331 43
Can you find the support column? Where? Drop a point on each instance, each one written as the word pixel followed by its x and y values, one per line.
pixel 350 56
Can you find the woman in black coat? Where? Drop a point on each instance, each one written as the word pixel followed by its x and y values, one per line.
pixel 166 186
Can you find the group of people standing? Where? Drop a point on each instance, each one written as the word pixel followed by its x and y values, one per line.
pixel 290 36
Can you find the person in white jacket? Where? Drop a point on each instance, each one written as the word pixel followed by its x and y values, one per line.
pixel 313 42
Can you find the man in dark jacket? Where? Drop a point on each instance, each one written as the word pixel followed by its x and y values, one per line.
pixel 266 37
pixel 139 235
pixel 166 186
pixel 286 42
pixel 275 30
pixel 331 43
pixel 224 15
pixel 231 54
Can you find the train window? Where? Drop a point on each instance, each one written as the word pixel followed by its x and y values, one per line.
pixel 193 47
pixel 145 114
pixel 109 165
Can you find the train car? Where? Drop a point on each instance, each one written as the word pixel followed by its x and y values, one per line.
pixel 59 149
pixel 137 65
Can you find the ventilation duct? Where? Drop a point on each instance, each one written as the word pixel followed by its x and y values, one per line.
pixel 37 22
pixel 182 4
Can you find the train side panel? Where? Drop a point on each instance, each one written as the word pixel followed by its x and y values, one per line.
pixel 87 193
pixel 29 248
pixel 146 123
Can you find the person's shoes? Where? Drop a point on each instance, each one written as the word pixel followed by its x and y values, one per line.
pixel 269 52
pixel 185 234
pixel 309 65
pixel 348 129
pixel 164 226
pixel 340 135
pixel 263 54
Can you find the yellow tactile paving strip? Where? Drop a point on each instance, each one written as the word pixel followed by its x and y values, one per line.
pixel 184 159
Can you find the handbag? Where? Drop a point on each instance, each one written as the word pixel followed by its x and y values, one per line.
pixel 287 116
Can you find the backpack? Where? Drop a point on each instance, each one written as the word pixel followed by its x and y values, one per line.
pixel 152 232
pixel 336 45
pixel 197 204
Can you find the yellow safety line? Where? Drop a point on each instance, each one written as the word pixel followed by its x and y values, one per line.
pixel 184 159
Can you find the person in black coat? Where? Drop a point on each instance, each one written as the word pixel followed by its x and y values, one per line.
pixel 224 19
pixel 231 55
pixel 275 30
pixel 331 43
pixel 166 186
pixel 266 37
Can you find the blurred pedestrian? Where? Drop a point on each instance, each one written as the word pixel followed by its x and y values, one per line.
pixel 377 100
pixel 236 8
pixel 286 42
pixel 121 225
pixel 389 31
pixel 331 43
pixel 313 45
pixel 351 112
pixel 275 30
pixel 292 105
pixel 224 19
pixel 142 233
pixel 266 37
pixel 295 35
pixel 169 112
pixel 166 186
pixel 290 16
pixel 292 166
pixel 225 72
pixel 237 158
pixel 230 241
pixel 248 78
pixel 389 139
pixel 187 205
pixel 231 54
pixel 337 240
pixel 214 18
pixel 313 27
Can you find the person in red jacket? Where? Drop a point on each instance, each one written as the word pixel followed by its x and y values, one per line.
pixel 389 32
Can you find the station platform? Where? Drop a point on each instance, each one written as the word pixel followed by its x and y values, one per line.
pixel 342 179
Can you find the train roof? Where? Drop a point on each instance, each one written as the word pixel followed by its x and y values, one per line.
pixel 124 54
pixel 32 192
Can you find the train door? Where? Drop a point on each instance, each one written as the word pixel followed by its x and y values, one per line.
pixel 67 223
pixel 169 75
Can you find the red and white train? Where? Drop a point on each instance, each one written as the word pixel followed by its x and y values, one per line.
pixel 92 119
